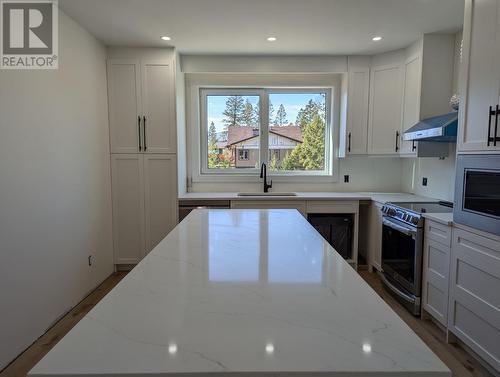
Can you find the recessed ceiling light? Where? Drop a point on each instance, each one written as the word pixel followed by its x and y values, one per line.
pixel 271 39
pixel 165 38
pixel 376 39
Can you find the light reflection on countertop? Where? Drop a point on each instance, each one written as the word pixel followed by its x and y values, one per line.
pixel 243 291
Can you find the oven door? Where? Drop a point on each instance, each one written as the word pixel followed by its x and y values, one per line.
pixel 402 254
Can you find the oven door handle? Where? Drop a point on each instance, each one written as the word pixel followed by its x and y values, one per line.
pixel 399 228
pixel 403 295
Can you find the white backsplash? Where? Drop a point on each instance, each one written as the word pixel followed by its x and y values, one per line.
pixel 440 176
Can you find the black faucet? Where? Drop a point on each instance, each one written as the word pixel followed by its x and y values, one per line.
pixel 263 174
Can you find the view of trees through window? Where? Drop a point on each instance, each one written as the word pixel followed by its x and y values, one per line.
pixel 296 128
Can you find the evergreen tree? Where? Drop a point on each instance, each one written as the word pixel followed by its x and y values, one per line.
pixel 291 160
pixel 281 117
pixel 212 147
pixel 233 114
pixel 273 163
pixel 271 112
pixel 312 150
pixel 307 113
pixel 249 117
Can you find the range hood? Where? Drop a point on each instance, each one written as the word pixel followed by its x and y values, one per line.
pixel 441 128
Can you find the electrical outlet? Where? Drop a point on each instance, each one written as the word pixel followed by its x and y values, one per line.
pixel 346 178
pixel 424 181
pixel 91 260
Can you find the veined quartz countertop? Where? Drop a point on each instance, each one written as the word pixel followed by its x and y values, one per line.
pixel 380 197
pixel 233 292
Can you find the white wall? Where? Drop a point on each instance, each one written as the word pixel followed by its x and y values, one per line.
pixel 381 174
pixel 440 176
pixel 55 197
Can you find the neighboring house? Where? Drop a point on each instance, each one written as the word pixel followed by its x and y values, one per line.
pixel 243 142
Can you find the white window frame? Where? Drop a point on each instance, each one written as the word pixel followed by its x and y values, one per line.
pixel 247 84
pixel 264 126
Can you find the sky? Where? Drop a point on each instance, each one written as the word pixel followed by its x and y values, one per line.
pixel 293 102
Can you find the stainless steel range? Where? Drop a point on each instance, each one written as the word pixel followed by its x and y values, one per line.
pixel 402 249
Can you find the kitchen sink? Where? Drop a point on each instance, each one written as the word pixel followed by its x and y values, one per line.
pixel 267 194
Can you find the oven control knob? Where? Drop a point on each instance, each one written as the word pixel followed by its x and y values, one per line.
pixel 391 211
pixel 414 220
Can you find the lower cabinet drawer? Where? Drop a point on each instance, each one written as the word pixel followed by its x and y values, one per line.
pixel 474 307
pixel 268 204
pixel 438 232
pixel 436 279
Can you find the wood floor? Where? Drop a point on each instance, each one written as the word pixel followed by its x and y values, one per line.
pixel 27 360
pixel 460 363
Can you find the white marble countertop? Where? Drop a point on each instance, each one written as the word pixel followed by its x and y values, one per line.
pixel 232 292
pixel 381 197
pixel 442 218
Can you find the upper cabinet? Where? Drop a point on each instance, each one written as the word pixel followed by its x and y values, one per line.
pixel 386 88
pixel 479 130
pixel 141 106
pixel 411 95
pixel 357 105
pixel 428 87
pixel 389 93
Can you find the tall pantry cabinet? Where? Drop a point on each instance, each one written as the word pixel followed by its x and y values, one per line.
pixel 141 97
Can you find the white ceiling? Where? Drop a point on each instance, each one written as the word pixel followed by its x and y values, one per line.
pixel 241 26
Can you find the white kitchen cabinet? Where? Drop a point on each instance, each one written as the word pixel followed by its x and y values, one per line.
pixel 479 76
pixel 158 107
pixel 357 105
pixel 374 235
pixel 436 267
pixel 141 106
pixel 124 101
pixel 411 99
pixel 144 193
pixel 474 302
pixel 386 93
pixel 269 204
pixel 428 84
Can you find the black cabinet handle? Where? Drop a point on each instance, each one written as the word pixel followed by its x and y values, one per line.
pixel 349 145
pixel 488 139
pixel 413 145
pixel 139 127
pixel 144 125
pixel 397 137
pixel 495 138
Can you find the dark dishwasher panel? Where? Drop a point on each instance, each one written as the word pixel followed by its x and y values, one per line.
pixel 337 229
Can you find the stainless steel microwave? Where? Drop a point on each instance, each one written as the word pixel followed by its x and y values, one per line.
pixel 477 192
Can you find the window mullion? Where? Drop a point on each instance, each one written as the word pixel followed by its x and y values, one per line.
pixel 264 126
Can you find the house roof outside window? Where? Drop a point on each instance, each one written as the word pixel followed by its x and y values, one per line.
pixel 238 134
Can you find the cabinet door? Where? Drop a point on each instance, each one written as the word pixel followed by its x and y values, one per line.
pixel 128 207
pixel 436 268
pixel 124 105
pixel 479 75
pixel 158 107
pixel 411 100
pixel 375 236
pixel 386 92
pixel 160 180
pixel 357 110
pixel 474 306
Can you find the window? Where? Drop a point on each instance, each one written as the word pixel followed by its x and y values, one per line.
pixel 243 154
pixel 288 129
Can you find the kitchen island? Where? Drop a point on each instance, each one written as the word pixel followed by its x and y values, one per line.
pixel 241 292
